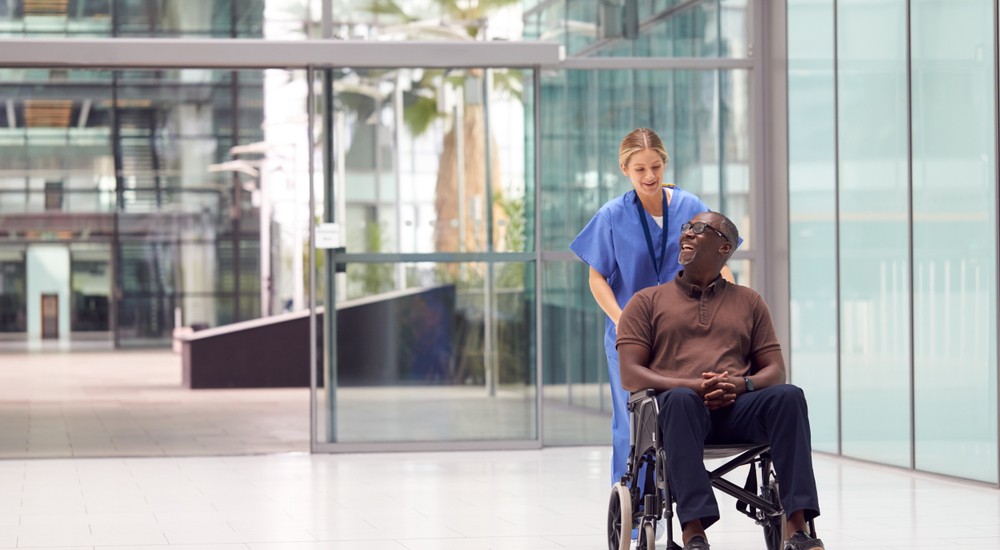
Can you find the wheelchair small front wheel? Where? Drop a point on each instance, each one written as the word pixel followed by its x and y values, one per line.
pixel 774 526
pixel 647 536
pixel 619 518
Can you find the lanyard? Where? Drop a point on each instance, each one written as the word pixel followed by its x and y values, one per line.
pixel 649 239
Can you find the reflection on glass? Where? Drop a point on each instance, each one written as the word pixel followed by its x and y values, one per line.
pixel 434 20
pixel 90 282
pixel 874 230
pixel 128 18
pixel 416 173
pixel 446 359
pixel 812 203
pixel 954 240
pixel 430 161
pixel 702 117
pixel 92 158
pixel 670 28
pixel 13 288
pixel 575 371
pixel 714 28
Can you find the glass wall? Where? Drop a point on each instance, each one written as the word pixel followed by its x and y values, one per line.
pixel 812 201
pixel 665 28
pixel 954 238
pixel 13 307
pixel 137 18
pixel 124 170
pixel 433 189
pixel 184 188
pixel 703 118
pixel 874 224
pixel 913 226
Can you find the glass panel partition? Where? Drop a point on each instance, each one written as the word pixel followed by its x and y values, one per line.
pixel 813 220
pixel 433 192
pixel 135 18
pixel 954 238
pixel 894 229
pixel 665 28
pixel 132 174
pixel 13 293
pixel 703 118
pixel 874 230
pixel 438 361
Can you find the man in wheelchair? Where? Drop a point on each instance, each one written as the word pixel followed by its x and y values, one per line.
pixel 708 349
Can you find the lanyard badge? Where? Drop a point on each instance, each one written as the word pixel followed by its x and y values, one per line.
pixel 657 265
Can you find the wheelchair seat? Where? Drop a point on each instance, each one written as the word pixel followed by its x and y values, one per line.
pixel 643 494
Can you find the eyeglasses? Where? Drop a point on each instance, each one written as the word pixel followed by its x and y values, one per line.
pixel 699 227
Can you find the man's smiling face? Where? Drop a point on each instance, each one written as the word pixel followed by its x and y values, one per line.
pixel 701 244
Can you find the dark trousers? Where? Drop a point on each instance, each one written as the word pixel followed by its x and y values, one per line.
pixel 775 415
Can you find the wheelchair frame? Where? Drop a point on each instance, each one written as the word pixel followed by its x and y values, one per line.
pixel 643 494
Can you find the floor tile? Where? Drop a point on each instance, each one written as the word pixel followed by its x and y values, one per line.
pixel 184 495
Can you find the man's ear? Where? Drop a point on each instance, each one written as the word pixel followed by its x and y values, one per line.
pixel 726 249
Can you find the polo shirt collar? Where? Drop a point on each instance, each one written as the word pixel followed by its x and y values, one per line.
pixel 689 289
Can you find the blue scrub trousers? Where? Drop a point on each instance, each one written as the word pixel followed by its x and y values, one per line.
pixel 620 432
pixel 776 414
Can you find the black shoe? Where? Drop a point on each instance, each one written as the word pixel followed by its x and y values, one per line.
pixel 697 542
pixel 802 541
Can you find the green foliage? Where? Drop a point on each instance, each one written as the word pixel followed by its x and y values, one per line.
pixel 373 278
pixel 318 269
pixel 509 82
pixel 419 114
pixel 420 110
pixel 388 7
pixel 472 12
pixel 513 210
pixel 511 276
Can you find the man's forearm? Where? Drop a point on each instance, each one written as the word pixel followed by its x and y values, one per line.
pixel 769 370
pixel 638 377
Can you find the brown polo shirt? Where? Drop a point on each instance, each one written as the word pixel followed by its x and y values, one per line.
pixel 689 330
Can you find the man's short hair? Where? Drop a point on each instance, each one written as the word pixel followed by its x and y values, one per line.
pixel 728 229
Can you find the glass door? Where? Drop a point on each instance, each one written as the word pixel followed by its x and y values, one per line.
pixel 90 288
pixel 432 293
pixel 13 285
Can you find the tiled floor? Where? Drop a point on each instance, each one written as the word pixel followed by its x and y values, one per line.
pixel 75 408
pixel 132 403
pixel 553 498
pixel 100 403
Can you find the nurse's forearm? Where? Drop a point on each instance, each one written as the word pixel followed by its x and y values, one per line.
pixel 604 296
pixel 727 274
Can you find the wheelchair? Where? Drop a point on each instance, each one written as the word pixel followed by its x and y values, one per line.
pixel 643 495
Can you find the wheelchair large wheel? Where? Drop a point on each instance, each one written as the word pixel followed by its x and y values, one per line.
pixel 774 526
pixel 619 518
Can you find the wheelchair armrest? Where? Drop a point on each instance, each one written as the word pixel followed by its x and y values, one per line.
pixel 637 396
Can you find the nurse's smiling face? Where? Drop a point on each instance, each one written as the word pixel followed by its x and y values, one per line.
pixel 645 170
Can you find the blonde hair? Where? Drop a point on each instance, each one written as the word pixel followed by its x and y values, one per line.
pixel 641 139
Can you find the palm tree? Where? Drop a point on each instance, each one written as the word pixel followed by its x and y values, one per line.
pixel 460 191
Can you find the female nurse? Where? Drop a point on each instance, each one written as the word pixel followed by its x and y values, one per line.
pixel 630 244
